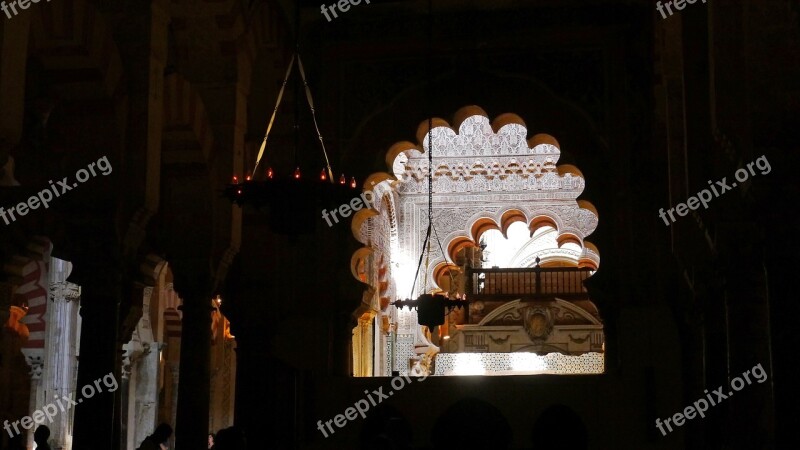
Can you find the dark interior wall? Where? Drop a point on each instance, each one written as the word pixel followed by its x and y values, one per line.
pixel 584 73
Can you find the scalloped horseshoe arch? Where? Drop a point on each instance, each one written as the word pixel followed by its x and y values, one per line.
pixel 487 176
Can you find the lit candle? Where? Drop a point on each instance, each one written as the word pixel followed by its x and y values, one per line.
pixel 353 183
pixel 342 179
pixel 297 173
pixel 269 172
pixel 322 175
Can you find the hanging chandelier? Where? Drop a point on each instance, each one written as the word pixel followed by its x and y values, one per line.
pixel 293 199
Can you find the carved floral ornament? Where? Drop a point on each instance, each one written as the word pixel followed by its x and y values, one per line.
pixel 486 175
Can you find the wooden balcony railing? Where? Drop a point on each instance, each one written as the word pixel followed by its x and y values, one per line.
pixel 527 283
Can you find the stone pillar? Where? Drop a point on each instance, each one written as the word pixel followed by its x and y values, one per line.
pixel 223 373
pixel 35 360
pixel 139 409
pixel 13 56
pixel 139 398
pixel 191 427
pixel 126 405
pixel 146 392
pixel 63 332
pixel 175 380
pixel 739 233
pixel 96 418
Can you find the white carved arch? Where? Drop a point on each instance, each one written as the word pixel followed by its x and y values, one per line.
pixel 486 175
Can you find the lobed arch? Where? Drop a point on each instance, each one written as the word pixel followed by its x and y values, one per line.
pixel 485 222
pixel 186 174
pixel 67 38
pixel 443 275
pixel 460 117
pixel 532 160
pixel 71 36
pixel 187 134
pixel 266 30
pixel 540 221
pixel 28 271
pixel 509 217
pixel 70 81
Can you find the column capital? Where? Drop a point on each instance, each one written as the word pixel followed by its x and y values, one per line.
pixel 125 371
pixel 64 290
pixel 35 360
pixel 192 278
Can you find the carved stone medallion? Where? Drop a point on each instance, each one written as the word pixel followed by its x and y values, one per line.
pixel 538 323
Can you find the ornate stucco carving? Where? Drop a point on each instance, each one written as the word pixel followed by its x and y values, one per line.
pixel 482 170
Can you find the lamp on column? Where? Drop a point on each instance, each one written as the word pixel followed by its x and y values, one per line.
pixel 431 308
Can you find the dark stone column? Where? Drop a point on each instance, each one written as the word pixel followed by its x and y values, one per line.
pixel 191 428
pixel 96 418
pixel 266 391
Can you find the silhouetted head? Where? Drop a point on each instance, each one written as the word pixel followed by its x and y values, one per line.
pixel 559 427
pixel 42 434
pixel 495 432
pixel 385 428
pixel 162 433
pixel 230 439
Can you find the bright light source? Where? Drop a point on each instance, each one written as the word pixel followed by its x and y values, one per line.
pixel 520 250
pixel 468 364
pixel 521 363
pixel 527 362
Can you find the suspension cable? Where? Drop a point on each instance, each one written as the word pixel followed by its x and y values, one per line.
pixel 274 113
pixel 314 116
